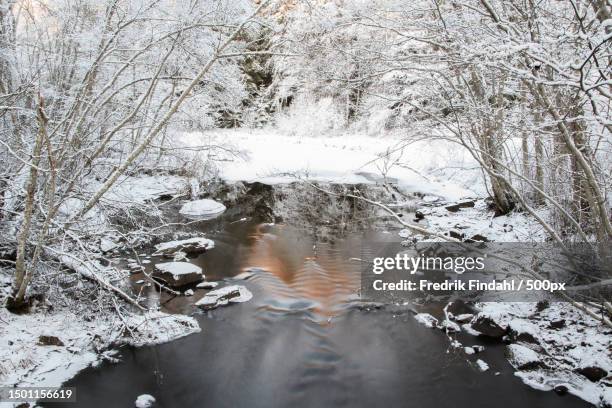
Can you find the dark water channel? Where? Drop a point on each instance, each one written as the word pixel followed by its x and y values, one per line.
pixel 303 341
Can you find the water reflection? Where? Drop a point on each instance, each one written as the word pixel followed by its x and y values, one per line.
pixel 296 273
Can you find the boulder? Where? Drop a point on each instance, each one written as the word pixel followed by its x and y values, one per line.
pixel 542 305
pixel 479 238
pixel 520 330
pixel 459 307
pixel 557 324
pixel 177 274
pixel 593 373
pixel 523 358
pixel 449 326
pixel 48 340
pixel 426 319
pixel 191 246
pixel 221 297
pixel 456 234
pixel 487 327
pixel 462 204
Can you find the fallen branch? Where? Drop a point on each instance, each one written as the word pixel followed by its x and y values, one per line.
pixel 89 270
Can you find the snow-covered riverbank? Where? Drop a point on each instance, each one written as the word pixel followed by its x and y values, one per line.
pixel 51 344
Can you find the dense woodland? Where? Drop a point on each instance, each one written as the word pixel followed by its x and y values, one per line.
pixel 92 91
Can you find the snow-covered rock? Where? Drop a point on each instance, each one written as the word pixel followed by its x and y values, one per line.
pixel 522 358
pixel 221 297
pixel 464 318
pixel 202 209
pixel 521 330
pixel 178 273
pixel 449 326
pixel 426 319
pixel 244 275
pixel 482 366
pixel 191 246
pixel 189 292
pixel 207 285
pixel 486 326
pixel 144 401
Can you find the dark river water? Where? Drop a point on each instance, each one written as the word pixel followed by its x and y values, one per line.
pixel 303 341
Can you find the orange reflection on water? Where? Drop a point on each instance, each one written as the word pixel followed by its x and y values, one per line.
pixel 294 268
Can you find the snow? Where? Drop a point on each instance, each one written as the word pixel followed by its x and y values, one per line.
pixel 513 227
pixel 155 327
pixel 426 319
pixel 207 285
pixel 521 356
pixel 26 363
pixel 272 158
pixel 202 209
pixel 582 342
pixel 140 189
pixel 244 275
pixel 144 401
pixel 221 297
pixel 176 269
pixel 196 243
pixel 482 366
pixel 449 326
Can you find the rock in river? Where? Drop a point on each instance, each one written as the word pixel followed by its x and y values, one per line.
pixel 202 209
pixel 487 327
pixel 178 274
pixel 191 246
pixel 522 358
pixel 221 297
pixel 144 401
pixel 207 285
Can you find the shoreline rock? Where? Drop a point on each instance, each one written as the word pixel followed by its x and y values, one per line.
pixel 177 274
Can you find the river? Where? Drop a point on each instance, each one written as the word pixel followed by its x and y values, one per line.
pixel 304 340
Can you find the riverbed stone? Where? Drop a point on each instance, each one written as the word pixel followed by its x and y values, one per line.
pixel 144 401
pixel 522 357
pixel 207 285
pixel 223 296
pixel 460 307
pixel 487 327
pixel 459 205
pixel 177 274
pixel 190 246
pixel 593 373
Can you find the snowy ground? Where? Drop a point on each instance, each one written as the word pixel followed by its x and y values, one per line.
pixel 551 357
pixel 435 168
pixel 50 345
pixel 553 346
